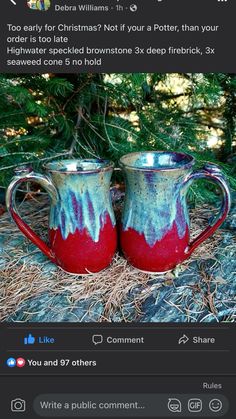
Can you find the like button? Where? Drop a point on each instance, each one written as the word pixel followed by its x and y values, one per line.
pixel 29 340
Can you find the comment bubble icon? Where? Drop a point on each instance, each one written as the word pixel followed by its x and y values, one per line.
pixel 97 339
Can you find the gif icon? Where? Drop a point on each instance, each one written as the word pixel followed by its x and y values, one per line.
pixel 195 405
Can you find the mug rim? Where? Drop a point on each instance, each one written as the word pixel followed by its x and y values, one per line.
pixel 186 165
pixel 103 165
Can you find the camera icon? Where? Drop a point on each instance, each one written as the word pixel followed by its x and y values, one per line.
pixel 18 405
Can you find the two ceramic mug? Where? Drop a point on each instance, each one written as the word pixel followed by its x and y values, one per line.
pixel 154 232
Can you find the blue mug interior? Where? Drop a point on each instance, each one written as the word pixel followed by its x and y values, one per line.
pixel 157 160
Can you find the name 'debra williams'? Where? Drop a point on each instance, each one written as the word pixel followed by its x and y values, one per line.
pixel 81 8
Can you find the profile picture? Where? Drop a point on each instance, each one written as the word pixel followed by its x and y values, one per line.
pixel 42 5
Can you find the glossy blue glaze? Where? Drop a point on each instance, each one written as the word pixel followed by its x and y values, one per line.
pixel 155 198
pixel 84 200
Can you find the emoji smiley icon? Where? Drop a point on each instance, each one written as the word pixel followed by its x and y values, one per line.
pixel 215 405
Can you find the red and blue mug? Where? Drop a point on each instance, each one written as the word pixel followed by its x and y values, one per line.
pixel 82 227
pixel 155 229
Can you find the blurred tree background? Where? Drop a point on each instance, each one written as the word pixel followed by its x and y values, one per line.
pixel 43 117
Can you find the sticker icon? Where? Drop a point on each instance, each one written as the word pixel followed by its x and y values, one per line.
pixel 174 405
pixel 41 5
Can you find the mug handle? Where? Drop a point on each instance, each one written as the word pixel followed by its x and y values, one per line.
pixel 214 174
pixel 26 174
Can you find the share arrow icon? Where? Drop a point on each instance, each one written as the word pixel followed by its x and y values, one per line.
pixel 183 340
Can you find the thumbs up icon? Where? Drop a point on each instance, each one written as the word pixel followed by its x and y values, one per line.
pixel 29 340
